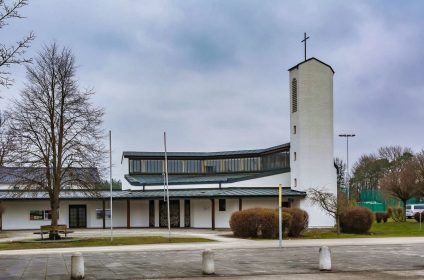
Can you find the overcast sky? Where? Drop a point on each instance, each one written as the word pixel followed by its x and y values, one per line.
pixel 213 74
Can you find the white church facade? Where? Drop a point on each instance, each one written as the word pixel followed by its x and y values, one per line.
pixel 206 188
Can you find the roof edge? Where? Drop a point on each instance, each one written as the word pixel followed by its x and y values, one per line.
pixel 309 59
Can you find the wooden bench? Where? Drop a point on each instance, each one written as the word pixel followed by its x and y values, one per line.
pixel 55 229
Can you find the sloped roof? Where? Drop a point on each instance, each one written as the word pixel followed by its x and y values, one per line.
pixel 312 58
pixel 13 175
pixel 126 154
pixel 154 180
pixel 234 192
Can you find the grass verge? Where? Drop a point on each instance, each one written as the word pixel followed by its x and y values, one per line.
pixel 95 242
pixel 410 228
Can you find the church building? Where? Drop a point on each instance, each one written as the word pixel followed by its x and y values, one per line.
pixel 206 188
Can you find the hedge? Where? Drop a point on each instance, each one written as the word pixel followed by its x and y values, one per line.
pixel 356 220
pixel 263 222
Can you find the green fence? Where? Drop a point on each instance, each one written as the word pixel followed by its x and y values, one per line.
pixel 377 202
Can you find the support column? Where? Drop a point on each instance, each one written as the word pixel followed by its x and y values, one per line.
pixel 128 213
pixel 213 213
pixel 182 214
pixel 156 213
pixel 240 204
pixel 104 213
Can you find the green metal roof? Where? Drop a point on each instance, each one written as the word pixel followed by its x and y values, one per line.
pixel 233 192
pixel 157 180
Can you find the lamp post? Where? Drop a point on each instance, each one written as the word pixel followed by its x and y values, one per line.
pixel 347 162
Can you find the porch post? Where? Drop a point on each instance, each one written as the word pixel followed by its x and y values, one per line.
pixel 128 213
pixel 104 213
pixel 213 213
pixel 240 204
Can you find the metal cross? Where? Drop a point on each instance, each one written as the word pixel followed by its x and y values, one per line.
pixel 304 41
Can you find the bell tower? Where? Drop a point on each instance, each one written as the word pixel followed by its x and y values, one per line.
pixel 311 133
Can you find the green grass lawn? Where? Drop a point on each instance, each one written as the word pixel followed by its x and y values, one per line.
pixel 410 228
pixel 92 242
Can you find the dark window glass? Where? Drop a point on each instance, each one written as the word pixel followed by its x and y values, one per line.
pixel 222 205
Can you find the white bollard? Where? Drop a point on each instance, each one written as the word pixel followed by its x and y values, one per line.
pixel 324 258
pixel 77 266
pixel 208 263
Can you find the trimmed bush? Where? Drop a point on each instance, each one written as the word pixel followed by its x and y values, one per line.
pixel 287 219
pixel 263 222
pixel 299 222
pixel 245 223
pixel 268 223
pixel 381 216
pixel 356 220
pixel 417 217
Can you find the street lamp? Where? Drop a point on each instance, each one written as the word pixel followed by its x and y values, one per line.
pixel 347 162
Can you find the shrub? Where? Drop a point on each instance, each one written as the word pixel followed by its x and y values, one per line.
pixel 245 223
pixel 381 216
pixel 356 220
pixel 397 214
pixel 299 221
pixel 258 222
pixel 417 217
pixel 287 219
pixel 268 223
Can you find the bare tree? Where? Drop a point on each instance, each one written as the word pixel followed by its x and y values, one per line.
pixel 14 53
pixel 420 170
pixel 341 172
pixel 333 205
pixel 402 182
pixel 6 143
pixel 59 128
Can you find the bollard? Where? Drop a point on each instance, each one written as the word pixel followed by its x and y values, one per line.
pixel 324 258
pixel 208 263
pixel 77 266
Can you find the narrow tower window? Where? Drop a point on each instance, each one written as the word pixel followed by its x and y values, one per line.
pixel 295 182
pixel 294 129
pixel 295 156
pixel 294 95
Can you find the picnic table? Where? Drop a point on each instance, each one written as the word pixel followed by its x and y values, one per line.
pixel 47 229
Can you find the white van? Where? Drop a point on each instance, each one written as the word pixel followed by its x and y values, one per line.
pixel 411 209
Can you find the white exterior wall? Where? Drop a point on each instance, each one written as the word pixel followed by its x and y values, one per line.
pixel 268 181
pixel 313 141
pixel 139 213
pixel 16 213
pixel 222 218
pixel 201 216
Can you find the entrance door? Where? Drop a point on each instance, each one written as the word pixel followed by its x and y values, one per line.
pixel 174 210
pixel 186 213
pixel 77 216
pixel 151 213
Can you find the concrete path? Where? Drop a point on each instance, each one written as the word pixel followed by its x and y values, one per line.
pixel 349 262
pixel 17 235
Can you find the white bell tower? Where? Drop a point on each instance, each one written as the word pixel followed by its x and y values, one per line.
pixel 311 133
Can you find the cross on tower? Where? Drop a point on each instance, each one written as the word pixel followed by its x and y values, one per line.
pixel 304 41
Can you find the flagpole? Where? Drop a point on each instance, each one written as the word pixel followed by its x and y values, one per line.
pixel 280 218
pixel 110 178
pixel 167 186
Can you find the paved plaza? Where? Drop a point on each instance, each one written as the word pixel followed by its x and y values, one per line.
pixel 349 262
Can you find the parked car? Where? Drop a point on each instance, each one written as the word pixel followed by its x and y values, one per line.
pixel 411 209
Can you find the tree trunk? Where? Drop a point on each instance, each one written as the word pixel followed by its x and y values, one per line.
pixel 404 211
pixel 338 224
pixel 54 205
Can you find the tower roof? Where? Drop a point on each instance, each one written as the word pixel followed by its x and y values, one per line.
pixel 312 58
